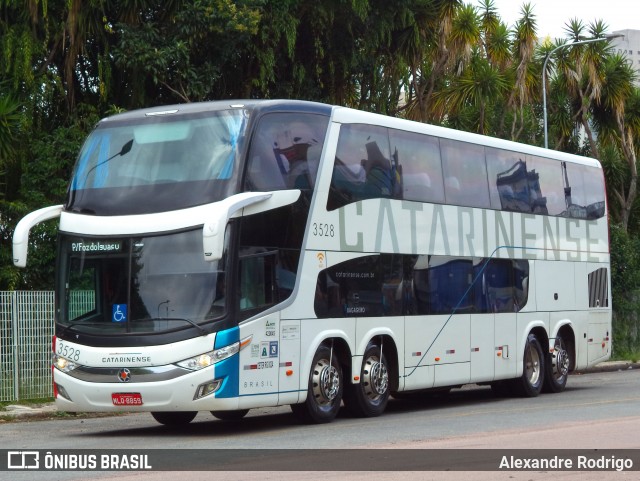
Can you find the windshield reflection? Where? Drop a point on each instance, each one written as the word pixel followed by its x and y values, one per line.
pixel 158 164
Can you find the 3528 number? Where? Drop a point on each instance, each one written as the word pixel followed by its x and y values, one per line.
pixel 68 352
pixel 323 230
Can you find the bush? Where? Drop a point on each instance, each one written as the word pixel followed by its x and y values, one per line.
pixel 625 283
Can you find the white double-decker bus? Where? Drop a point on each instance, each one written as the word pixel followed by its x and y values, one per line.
pixel 225 256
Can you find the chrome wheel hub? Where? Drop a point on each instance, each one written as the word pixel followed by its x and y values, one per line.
pixel 326 382
pixel 560 361
pixel 375 378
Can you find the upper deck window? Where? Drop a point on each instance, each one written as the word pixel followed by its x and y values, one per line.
pixel 158 163
pixel 377 162
pixel 285 152
pixel 364 167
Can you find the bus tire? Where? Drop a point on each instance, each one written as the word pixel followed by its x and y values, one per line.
pixel 236 415
pixel 174 418
pixel 530 384
pixel 326 385
pixel 557 367
pixel 369 397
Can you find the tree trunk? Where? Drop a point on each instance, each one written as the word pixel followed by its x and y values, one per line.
pixel 630 155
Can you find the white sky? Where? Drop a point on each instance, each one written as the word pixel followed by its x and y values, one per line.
pixel 552 15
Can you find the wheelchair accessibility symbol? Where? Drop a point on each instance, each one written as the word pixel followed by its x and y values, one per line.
pixel 119 313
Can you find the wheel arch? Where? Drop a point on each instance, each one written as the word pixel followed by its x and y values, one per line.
pixel 542 335
pixel 539 329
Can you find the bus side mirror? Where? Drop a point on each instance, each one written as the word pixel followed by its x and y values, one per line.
pixel 214 229
pixel 21 233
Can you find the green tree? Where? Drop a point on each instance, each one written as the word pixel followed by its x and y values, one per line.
pixel 525 85
pixel 616 116
pixel 467 97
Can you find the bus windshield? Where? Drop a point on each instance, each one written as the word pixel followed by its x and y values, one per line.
pixel 138 284
pixel 158 163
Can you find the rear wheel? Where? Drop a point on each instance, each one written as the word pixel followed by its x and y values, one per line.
pixel 557 367
pixel 324 393
pixel 177 418
pixel 230 415
pixel 369 397
pixel 530 384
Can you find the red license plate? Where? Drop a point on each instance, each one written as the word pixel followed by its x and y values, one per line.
pixel 126 399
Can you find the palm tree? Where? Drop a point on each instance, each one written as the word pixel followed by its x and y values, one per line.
pixel 525 84
pixel 436 53
pixel 10 118
pixel 580 71
pixel 479 87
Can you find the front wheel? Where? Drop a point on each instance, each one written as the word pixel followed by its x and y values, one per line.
pixel 557 367
pixel 177 418
pixel 530 384
pixel 369 397
pixel 324 393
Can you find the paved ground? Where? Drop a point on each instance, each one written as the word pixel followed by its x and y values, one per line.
pixel 31 412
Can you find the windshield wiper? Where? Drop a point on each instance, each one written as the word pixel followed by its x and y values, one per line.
pixel 124 150
pixel 202 330
pixel 79 323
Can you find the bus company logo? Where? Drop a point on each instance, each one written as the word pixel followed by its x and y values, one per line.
pixel 23 460
pixel 124 375
pixel 320 256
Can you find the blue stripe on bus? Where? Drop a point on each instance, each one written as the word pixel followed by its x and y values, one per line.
pixel 229 369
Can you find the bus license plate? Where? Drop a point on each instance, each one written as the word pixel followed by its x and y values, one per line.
pixel 126 399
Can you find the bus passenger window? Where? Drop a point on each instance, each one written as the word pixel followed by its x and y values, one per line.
pixel 503 285
pixel 550 195
pixel 419 156
pixel 465 163
pixel 498 281
pixel 583 191
pixel 364 167
pixel 285 152
pixel 353 288
pixel 514 183
pixel 327 302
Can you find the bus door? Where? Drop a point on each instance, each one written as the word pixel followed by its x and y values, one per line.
pixel 257 291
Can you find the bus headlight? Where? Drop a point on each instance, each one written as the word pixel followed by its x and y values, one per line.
pixel 209 358
pixel 63 364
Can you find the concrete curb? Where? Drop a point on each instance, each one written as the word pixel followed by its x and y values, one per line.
pixel 610 366
pixel 22 410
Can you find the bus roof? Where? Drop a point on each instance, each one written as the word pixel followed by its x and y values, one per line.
pixel 250 105
pixel 349 115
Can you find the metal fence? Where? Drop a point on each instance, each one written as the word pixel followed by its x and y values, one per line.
pixel 26 329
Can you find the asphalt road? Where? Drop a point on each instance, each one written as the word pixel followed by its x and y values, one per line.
pixel 598 410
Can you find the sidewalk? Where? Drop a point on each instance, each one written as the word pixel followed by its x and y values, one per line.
pixel 48 410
